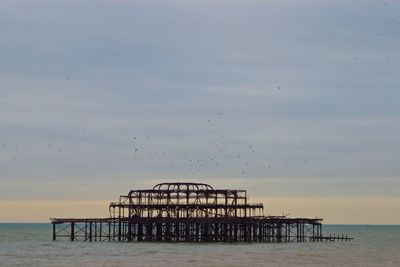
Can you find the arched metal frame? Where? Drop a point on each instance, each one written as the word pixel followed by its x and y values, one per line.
pixel 185 200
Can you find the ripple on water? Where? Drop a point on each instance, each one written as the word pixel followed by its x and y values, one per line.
pixel 374 246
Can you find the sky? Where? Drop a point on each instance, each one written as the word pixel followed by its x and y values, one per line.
pixel 295 101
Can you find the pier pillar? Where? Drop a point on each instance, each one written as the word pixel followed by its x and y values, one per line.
pixel 72 231
pixel 90 231
pixel 95 231
pixel 109 231
pixel 129 231
pixel 119 230
pixel 101 230
pixel 86 233
pixel 54 232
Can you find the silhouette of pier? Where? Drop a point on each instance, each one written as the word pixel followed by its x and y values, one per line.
pixel 189 212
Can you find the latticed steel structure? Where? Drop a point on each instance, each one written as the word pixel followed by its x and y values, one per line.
pixel 189 212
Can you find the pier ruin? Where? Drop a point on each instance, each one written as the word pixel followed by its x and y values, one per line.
pixel 189 212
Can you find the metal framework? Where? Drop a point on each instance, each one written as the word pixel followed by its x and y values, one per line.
pixel 189 212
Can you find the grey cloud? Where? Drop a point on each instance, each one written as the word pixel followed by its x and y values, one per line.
pixel 311 86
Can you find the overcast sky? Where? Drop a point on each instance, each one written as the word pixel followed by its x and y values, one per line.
pixel 283 98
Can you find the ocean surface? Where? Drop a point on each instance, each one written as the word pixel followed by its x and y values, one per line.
pixel 31 245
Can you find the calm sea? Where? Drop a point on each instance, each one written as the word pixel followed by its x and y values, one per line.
pixel 31 245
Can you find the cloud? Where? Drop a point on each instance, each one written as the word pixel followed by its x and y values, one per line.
pixel 135 91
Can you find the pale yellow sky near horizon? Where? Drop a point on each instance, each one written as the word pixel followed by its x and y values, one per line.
pixel 334 210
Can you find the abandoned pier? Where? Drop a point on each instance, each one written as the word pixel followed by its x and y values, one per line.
pixel 190 212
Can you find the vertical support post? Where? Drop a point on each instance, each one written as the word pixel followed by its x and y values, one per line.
pixel 90 231
pixel 320 230
pixel 186 225
pixel 113 233
pixel 95 231
pixel 129 230
pixel 177 230
pixel 54 232
pixel 86 233
pixel 72 231
pixel 101 231
pixel 109 231
pixel 140 231
pixel 313 232
pixel 119 230
pixel 235 236
pixel 197 231
pixel 168 231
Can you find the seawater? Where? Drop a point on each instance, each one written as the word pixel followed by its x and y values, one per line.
pixel 31 245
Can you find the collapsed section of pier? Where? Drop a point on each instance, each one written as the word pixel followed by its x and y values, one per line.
pixel 189 212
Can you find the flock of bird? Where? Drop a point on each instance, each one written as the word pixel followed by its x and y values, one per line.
pixel 223 154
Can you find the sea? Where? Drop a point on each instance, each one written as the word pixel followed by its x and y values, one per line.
pixel 25 244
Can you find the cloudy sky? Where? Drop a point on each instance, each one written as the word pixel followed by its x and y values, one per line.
pixel 296 101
